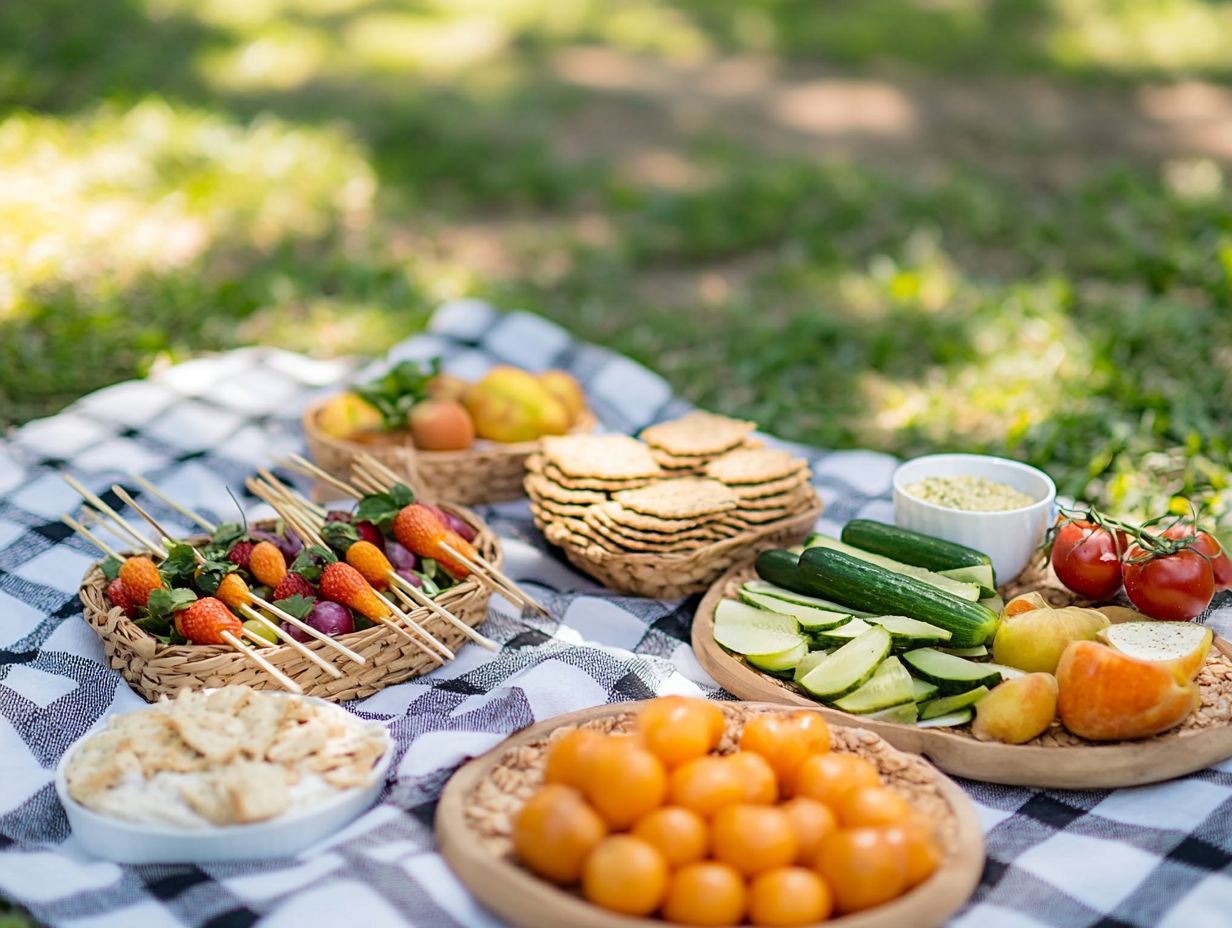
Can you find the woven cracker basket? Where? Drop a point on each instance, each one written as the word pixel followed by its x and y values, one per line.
pixel 155 669
pixel 672 575
pixel 491 472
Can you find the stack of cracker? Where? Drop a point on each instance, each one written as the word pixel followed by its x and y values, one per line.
pixel 686 445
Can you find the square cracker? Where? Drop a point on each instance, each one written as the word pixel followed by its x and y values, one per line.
pixel 215 736
pixel 771 487
pixel 600 457
pixel 778 501
pixel 698 433
pixel 755 465
pixel 540 486
pixel 679 498
pixel 648 547
pixel 597 516
pixel 621 516
pixel 560 478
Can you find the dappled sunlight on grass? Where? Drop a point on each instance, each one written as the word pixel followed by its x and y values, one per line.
pixel 1142 35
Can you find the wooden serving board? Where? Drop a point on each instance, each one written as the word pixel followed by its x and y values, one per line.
pixel 1086 765
pixel 487 868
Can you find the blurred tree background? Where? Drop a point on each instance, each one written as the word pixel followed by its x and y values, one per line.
pixel 997 225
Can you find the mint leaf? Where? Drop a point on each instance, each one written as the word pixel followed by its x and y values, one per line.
pixel 311 561
pixel 398 389
pixel 180 566
pixel 228 534
pixel 163 604
pixel 339 535
pixel 111 567
pixel 298 606
pixel 211 573
pixel 381 508
pixel 402 495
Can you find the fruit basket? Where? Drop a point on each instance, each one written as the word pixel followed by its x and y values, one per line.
pixel 154 669
pixel 477 817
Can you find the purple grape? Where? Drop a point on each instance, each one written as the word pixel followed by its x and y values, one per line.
pixel 287 543
pixel 330 618
pixel 401 557
pixel 455 523
pixel 411 577
pixel 369 532
pixel 337 515
pixel 295 633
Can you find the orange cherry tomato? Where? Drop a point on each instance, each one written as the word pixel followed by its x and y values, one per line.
pixel 760 784
pixel 785 741
pixel 555 831
pixel 679 834
pixel 677 729
pixel 813 822
pixel 567 757
pixel 920 850
pixel 626 875
pixel 623 781
pixel 789 896
pixel 862 868
pixel 706 785
pixel 705 893
pixel 871 806
pixel 753 838
pixel 826 777
pixel 813 729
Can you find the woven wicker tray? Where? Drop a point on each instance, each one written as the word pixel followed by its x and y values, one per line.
pixel 154 669
pixel 490 472
pixel 474 821
pixel 1056 759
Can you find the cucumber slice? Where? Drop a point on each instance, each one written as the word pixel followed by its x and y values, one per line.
pixel 850 667
pixel 890 686
pixel 993 602
pixel 908 633
pixel 966 591
pixel 980 574
pixel 924 690
pixel 961 717
pixel 807 663
pixel 951 674
pixel 978 653
pixel 906 714
pixel 836 637
pixel 810 619
pixel 765 588
pixel 780 663
pixel 947 704
pixel 746 630
pixel 1007 672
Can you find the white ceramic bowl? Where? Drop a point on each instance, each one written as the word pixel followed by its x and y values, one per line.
pixel 1009 538
pixel 139 843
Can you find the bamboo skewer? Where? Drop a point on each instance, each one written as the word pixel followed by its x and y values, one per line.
pixel 249 654
pixel 437 646
pixel 181 509
pixel 94 500
pixel 415 597
pixel 291 642
pixel 302 465
pixel 91 537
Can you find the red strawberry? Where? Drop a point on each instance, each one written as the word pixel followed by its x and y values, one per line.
pixel 343 584
pixel 118 594
pixel 370 533
pixel 241 553
pixel 141 578
pixel 293 585
pixel 205 620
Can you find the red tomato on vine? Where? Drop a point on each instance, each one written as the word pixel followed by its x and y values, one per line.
pixel 1087 558
pixel 1174 586
pixel 1204 543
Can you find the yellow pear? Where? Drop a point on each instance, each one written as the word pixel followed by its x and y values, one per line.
pixel 510 405
pixel 347 414
pixel 1034 641
pixel 1017 710
pixel 567 390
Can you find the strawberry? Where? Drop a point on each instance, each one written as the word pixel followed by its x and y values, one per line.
pixel 293 585
pixel 140 578
pixel 370 533
pixel 418 528
pixel 205 621
pixel 368 559
pixel 343 584
pixel 267 564
pixel 240 552
pixel 118 594
pixel 233 591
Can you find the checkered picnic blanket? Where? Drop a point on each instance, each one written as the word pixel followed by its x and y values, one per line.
pixel 1159 855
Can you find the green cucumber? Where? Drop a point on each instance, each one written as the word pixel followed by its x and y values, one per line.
pixel 861 585
pixel 981 575
pixel 1007 672
pixel 947 704
pixel 765 588
pixel 978 653
pixel 908 634
pixel 924 690
pixel 890 686
pixel 807 663
pixel 850 667
pixel 780 568
pixel 810 619
pixel 951 674
pixel 780 663
pixel 747 630
pixel 954 719
pixel 836 637
pixel 967 591
pixel 916 548
pixel 906 714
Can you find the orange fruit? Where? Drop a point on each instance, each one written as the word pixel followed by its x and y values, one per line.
pixel 919 849
pixel 753 838
pixel 555 831
pixel 626 875
pixel 679 834
pixel 874 806
pixel 623 781
pixel 785 741
pixel 826 777
pixel 789 896
pixel 760 784
pixel 567 757
pixel 706 785
pixel 862 868
pixel 813 729
pixel 677 729
pixel 813 822
pixel 705 893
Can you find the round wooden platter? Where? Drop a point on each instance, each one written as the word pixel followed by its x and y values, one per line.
pixel 522 899
pixel 1089 765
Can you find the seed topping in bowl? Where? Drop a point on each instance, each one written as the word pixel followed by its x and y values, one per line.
pixel 971 494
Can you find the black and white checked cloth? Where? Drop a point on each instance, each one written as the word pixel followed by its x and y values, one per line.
pixel 1159 855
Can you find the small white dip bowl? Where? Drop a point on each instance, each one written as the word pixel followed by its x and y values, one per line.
pixel 1009 537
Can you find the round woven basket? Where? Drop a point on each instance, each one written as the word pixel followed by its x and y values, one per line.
pixel 672 575
pixel 490 472
pixel 155 669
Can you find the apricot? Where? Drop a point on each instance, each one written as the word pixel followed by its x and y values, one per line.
pixel 441 425
pixel 565 388
pixel 346 415
pixel 1105 695
pixel 446 387
pixel 511 405
pixel 1017 710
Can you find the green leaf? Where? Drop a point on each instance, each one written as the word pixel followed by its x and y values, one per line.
pixel 298 606
pixel 339 535
pixel 398 389
pixel 211 573
pixel 311 561
pixel 228 534
pixel 429 585
pixel 381 508
pixel 401 494
pixel 111 567
pixel 165 603
pixel 179 568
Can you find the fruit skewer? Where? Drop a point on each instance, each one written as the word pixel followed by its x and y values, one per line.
pixel 240 598
pixel 183 510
